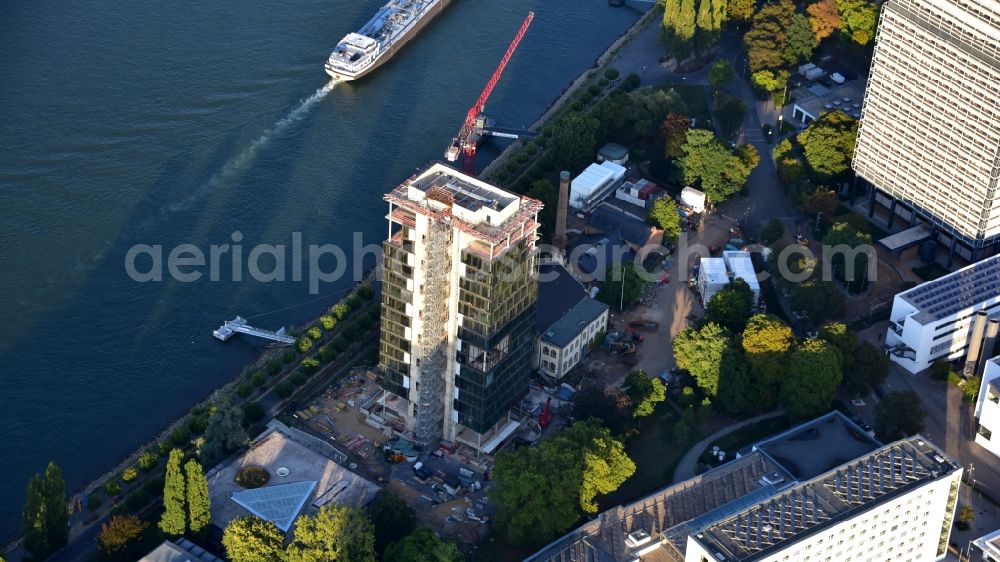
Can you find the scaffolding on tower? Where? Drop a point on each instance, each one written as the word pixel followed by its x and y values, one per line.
pixel 434 333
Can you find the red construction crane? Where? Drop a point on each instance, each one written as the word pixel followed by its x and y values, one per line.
pixel 472 129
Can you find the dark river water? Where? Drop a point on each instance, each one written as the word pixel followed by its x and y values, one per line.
pixel 127 123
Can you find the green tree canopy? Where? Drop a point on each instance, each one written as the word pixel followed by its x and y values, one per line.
pixel 812 379
pixel 773 232
pixel 574 140
pixel 767 39
pixel 392 519
pixel 174 519
pixel 729 111
pixel 644 392
pixel 767 341
pixel 337 533
pixel 422 545
pixel 858 20
pixel 544 191
pixel 224 433
pixel 706 159
pixel 541 490
pixel 822 200
pixel 899 415
pixel 617 296
pixel 852 255
pixel 741 10
pixel 801 41
pixel 608 404
pixel 821 300
pixel 721 73
pixel 251 539
pixel 663 213
pixel 198 503
pixel 769 80
pixel 870 369
pixel 828 144
pixel 700 352
pixel 738 392
pixel 732 306
pixel 649 107
pixel 674 129
pixel 843 339
pixel 45 519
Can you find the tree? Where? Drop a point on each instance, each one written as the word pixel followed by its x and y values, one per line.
pixel 198 503
pixel 820 300
pixel 648 108
pixel 858 20
pixel 729 111
pixel 573 140
pixel 828 144
pixel 869 370
pixel 608 404
pixel 769 80
pixel 34 526
pixel 741 10
pixel 767 37
pixel 173 521
pixel 337 533
pixel 700 352
pixel 823 18
pixel 422 545
pixel 224 433
pixel 843 339
pixel 392 519
pixel 671 11
pixel 674 129
pixel 801 41
pixel 251 539
pixel 622 286
pixel 644 393
pixel 899 415
pixel 732 306
pixel 56 514
pixel 704 18
pixel 767 341
pixel 823 201
pixel 118 531
pixel 544 191
pixel 663 213
pixel 812 379
pixel 738 393
pixel 719 8
pixel 773 232
pixel 844 240
pixel 706 159
pixel 720 73
pixel 748 156
pixel 542 489
pixel 45 518
pixel 684 29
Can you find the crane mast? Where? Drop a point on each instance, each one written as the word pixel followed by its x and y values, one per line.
pixel 472 129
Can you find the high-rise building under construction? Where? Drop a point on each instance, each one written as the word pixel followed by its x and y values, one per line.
pixel 458 305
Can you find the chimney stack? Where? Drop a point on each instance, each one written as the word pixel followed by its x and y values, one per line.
pixel 990 345
pixel 975 343
pixel 559 237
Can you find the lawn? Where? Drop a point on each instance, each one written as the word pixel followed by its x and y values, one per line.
pixel 655 455
pixel 749 435
pixel 695 99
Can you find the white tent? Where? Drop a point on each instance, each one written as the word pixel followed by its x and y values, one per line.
pixel 693 198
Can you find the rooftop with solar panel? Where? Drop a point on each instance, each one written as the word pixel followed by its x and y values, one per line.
pixel 953 293
pixel 786 488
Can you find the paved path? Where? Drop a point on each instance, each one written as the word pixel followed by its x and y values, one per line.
pixel 687 468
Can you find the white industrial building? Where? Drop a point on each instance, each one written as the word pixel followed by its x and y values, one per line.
pixel 934 320
pixel 716 273
pixel 988 409
pixel 823 491
pixel 989 545
pixel 594 184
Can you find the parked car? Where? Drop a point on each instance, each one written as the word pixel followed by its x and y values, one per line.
pixel 669 376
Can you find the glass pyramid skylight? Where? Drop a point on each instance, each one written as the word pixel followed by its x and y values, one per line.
pixel 278 504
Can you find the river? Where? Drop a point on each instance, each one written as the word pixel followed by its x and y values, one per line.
pixel 167 123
